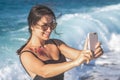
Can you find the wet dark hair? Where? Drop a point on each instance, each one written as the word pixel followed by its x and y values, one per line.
pixel 34 16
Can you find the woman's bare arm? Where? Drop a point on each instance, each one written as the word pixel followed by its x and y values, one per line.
pixel 72 53
pixel 37 67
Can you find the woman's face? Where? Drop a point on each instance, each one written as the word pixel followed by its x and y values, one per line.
pixel 44 27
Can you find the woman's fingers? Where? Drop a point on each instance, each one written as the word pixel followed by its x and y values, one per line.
pixel 88 56
pixel 85 44
pixel 98 45
pixel 98 50
pixel 85 56
pixel 89 53
pixel 87 60
pixel 99 54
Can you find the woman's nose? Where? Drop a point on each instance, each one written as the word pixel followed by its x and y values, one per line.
pixel 49 29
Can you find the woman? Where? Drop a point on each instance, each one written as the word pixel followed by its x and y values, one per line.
pixel 44 58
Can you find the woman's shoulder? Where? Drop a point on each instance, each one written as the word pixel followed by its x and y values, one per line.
pixel 56 41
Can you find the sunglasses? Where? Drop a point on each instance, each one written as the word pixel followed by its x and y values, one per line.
pixel 44 27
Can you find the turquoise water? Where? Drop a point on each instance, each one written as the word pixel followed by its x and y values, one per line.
pixel 78 18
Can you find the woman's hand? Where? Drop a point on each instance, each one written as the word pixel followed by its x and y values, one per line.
pixel 98 50
pixel 85 56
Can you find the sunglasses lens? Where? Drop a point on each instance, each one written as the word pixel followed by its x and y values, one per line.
pixel 46 26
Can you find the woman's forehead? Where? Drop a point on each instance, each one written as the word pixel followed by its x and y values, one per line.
pixel 46 19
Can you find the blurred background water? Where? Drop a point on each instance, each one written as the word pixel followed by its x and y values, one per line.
pixel 77 18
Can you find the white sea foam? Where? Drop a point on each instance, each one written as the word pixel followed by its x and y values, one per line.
pixel 19 39
pixel 108 8
pixel 81 24
pixel 114 43
pixel 24 28
pixel 13 72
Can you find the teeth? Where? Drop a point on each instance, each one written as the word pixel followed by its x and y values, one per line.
pixel 47 34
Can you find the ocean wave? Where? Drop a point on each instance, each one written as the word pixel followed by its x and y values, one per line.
pixel 19 39
pixel 23 29
pixel 104 21
pixel 107 8
pixel 13 72
pixel 114 42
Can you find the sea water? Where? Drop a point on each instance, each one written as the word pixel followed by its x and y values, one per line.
pixel 77 18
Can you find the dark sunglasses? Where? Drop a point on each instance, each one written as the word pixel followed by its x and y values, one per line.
pixel 44 27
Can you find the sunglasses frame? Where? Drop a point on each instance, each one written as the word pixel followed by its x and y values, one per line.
pixel 44 27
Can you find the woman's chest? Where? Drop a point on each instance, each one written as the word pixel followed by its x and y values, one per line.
pixel 48 52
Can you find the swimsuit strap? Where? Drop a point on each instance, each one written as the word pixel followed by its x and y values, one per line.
pixel 54 42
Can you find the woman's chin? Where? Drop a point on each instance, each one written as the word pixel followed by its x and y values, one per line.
pixel 46 38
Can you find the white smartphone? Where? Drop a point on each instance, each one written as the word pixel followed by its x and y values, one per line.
pixel 92 41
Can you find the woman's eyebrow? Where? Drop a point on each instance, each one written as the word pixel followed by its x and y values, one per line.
pixel 47 23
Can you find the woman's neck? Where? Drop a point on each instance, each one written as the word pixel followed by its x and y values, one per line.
pixel 36 42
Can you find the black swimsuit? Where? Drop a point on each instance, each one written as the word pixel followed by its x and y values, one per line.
pixel 58 77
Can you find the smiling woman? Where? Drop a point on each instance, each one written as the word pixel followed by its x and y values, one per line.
pixel 44 58
pixel 45 26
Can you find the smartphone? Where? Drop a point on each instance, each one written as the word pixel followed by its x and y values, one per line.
pixel 92 41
